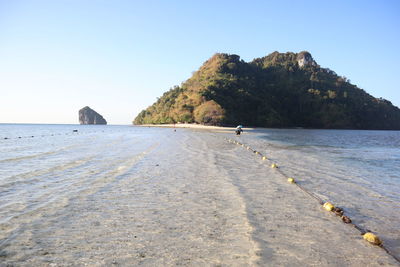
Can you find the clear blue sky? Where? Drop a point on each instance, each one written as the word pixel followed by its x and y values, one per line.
pixel 117 57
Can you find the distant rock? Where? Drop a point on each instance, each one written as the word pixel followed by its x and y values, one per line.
pixel 89 116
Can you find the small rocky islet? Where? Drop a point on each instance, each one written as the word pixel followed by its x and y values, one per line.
pixel 89 116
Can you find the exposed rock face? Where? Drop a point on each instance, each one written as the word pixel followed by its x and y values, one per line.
pixel 305 58
pixel 89 116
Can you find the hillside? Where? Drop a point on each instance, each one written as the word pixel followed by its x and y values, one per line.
pixel 279 90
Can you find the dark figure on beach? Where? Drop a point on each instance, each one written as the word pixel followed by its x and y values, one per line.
pixel 239 130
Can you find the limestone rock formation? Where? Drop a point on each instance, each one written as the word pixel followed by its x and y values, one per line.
pixel 305 58
pixel 89 116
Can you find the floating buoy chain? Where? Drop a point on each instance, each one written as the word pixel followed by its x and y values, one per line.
pixel 367 235
pixel 320 201
pixel 32 136
pixel 263 157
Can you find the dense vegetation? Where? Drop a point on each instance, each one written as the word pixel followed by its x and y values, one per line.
pixel 279 90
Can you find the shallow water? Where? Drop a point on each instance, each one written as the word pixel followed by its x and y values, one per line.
pixel 357 170
pixel 134 195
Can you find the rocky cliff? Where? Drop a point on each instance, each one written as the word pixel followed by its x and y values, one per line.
pixel 89 116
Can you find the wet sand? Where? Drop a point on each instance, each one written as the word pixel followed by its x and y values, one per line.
pixel 190 198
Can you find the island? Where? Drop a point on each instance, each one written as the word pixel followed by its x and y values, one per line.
pixel 89 116
pixel 280 90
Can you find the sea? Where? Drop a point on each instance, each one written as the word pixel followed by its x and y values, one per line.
pixel 356 170
pixel 45 168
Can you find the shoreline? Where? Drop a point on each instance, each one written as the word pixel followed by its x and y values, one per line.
pixel 202 126
pixel 192 126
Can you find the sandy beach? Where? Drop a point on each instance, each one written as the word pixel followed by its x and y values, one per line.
pixel 186 198
pixel 191 126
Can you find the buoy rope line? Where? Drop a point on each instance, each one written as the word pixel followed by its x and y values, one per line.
pixel 74 132
pixel 367 235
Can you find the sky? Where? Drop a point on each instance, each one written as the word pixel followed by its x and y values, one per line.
pixel 118 56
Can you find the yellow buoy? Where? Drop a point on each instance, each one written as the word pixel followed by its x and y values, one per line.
pixel 291 180
pixel 371 238
pixel 257 152
pixel 274 165
pixel 328 206
pixel 264 158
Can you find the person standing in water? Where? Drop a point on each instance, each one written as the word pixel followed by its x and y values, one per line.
pixel 239 130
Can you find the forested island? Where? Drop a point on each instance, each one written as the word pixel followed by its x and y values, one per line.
pixel 278 90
